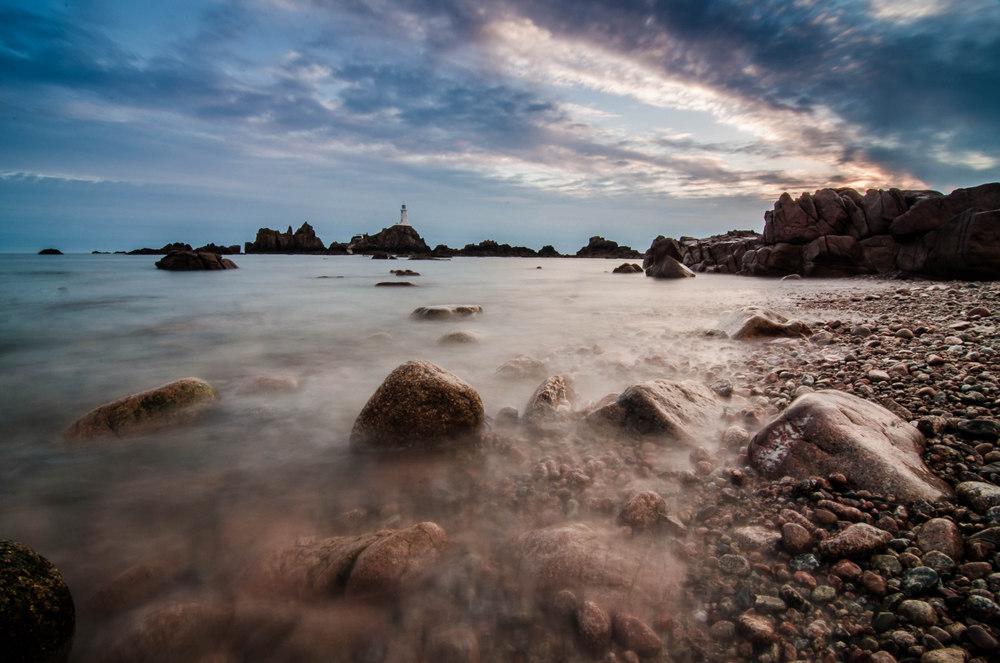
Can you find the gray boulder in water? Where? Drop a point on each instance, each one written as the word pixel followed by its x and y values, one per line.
pixel 832 431
pixel 419 405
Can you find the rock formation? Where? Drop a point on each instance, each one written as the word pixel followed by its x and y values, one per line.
pixel 598 247
pixel 303 240
pixel 167 248
pixel 394 239
pixel 840 232
pixel 663 260
pixel 187 261
pixel 50 252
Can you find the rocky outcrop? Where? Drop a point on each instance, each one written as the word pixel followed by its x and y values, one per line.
pixel 37 614
pixel 419 405
pixel 394 239
pixel 191 261
pixel 232 249
pixel 167 248
pixel 164 406
pixel 303 240
pixel 663 260
pixel 486 249
pixel 50 252
pixel 831 431
pixel 598 247
pixel 840 232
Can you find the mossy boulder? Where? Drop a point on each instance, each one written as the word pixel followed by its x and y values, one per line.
pixel 173 403
pixel 37 614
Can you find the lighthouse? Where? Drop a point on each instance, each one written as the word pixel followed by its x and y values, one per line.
pixel 402 216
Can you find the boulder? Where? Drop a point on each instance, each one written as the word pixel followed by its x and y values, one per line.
pixel 419 405
pixel 171 404
pixel 551 401
pixel 663 260
pixel 399 239
pixel 670 411
pixel 445 312
pixel 719 253
pixel 190 261
pixel 50 252
pixel 855 540
pixel 389 563
pixel 833 256
pixel 594 626
pixel 831 431
pixel 521 367
pixel 303 240
pixel 778 259
pixel 627 268
pixel 753 322
pixel 967 247
pixel 37 614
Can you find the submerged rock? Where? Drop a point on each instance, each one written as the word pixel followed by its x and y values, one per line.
pixel 394 560
pixel 552 401
pixel 37 614
pixel 419 405
pixel 444 312
pixel 171 404
pixel 627 268
pixel 831 431
pixel 571 555
pixel 167 632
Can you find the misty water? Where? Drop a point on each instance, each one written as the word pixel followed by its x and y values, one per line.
pixel 266 466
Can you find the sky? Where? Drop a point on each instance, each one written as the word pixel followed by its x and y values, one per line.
pixel 135 123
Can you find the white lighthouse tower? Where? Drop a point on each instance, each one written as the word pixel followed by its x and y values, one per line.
pixel 402 217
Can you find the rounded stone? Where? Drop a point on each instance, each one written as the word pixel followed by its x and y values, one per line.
pixel 938 561
pixel 942 535
pixel 643 510
pixel 736 565
pixel 419 405
pixel 633 633
pixel 920 613
pixel 37 614
pixel 796 539
pixel 919 580
pixel 593 625
pixel 387 564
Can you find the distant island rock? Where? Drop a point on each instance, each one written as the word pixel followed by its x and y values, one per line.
pixel 399 239
pixel 598 247
pixel 167 248
pixel 50 252
pixel 188 261
pixel 303 240
pixel 840 232
pixel 487 248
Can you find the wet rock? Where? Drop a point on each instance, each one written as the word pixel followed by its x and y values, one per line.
pixel 571 555
pixel 310 568
pixel 795 538
pixel 943 535
pixel 980 495
pixel 37 614
pixel 667 409
pixel 643 510
pixel 756 323
pixel 167 632
pixel 736 565
pixel 552 401
pixel 446 311
pixel 172 404
pixel 756 628
pixel 394 560
pixel 919 580
pixel 459 338
pixel 831 431
pixel 594 626
pixel 854 540
pixel 633 633
pixel 918 612
pixel 757 538
pixel 980 636
pixel 419 405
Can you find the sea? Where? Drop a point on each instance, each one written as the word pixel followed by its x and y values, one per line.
pixel 269 465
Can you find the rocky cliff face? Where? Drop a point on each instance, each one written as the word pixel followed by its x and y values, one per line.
pixel 303 240
pixel 840 232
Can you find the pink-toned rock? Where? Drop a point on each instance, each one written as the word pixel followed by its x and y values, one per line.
pixel 571 555
pixel 633 633
pixel 796 539
pixel 643 510
pixel 311 568
pixel 171 404
pixel 933 211
pixel 392 561
pixel 756 628
pixel 593 625
pixel 552 401
pixel 831 431
pixel 943 535
pixel 854 540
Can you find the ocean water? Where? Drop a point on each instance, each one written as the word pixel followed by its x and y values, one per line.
pixel 77 331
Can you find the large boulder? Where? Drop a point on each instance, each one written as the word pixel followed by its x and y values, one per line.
pixel 37 614
pixel 668 410
pixel 419 405
pixel 663 260
pixel 171 404
pixel 831 431
pixel 967 247
pixel 932 210
pixel 189 261
pixel 752 322
pixel 393 561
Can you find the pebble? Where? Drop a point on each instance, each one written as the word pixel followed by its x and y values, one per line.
pixel 756 628
pixel 856 539
pixel 823 594
pixel 633 633
pixel 980 495
pixel 593 625
pixel 920 613
pixel 919 580
pixel 949 655
pixel 796 539
pixel 737 565
pixel 941 534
